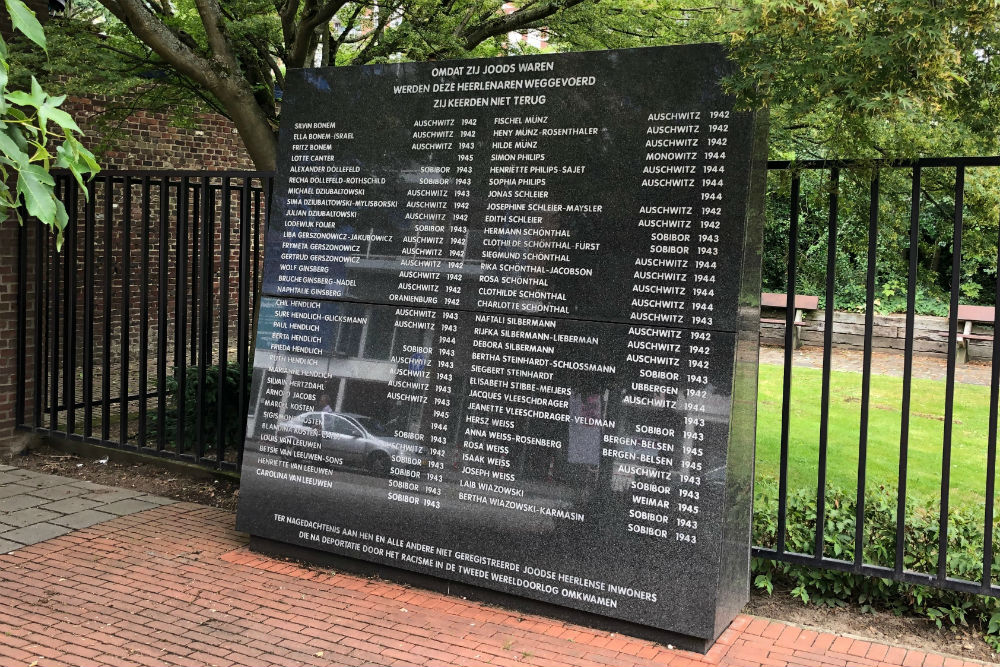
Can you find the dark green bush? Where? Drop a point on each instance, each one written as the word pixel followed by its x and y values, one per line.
pixel 232 416
pixel 833 588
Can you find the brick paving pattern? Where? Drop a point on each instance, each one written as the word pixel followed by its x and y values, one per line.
pixel 176 585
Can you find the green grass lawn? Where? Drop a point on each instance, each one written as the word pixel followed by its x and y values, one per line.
pixel 969 435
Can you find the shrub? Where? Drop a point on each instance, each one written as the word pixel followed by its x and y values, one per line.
pixel 232 416
pixel 834 588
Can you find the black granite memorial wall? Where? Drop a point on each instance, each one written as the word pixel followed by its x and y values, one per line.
pixel 508 334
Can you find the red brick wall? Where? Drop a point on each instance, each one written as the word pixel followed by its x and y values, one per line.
pixel 8 282
pixel 151 141
pixel 8 332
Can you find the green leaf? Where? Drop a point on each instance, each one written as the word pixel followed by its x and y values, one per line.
pixel 62 217
pixel 764 581
pixel 36 98
pixel 48 112
pixel 20 97
pixel 35 185
pixel 23 19
pixel 10 149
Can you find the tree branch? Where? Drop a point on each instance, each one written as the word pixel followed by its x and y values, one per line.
pixel 522 18
pixel 287 13
pixel 342 38
pixel 160 38
pixel 305 31
pixel 211 18
pixel 230 88
pixel 375 35
pixel 273 64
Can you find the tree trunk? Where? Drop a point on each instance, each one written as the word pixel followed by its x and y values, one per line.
pixel 255 131
pixel 219 73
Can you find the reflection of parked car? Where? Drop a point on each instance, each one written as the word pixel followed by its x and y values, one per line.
pixel 362 441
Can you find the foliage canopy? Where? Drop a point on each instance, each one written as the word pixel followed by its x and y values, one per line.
pixel 30 123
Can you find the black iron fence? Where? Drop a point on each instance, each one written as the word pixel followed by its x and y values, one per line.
pixel 138 334
pixel 827 181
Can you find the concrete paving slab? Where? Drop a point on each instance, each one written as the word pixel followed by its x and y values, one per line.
pixel 25 472
pixel 90 486
pixel 71 505
pixel 4 526
pixel 157 500
pixel 10 477
pixel 128 506
pixel 112 495
pixel 35 533
pixel 83 519
pixel 40 481
pixel 7 545
pixel 59 492
pixel 8 490
pixel 20 502
pixel 6 468
pixel 27 517
pixel 20 472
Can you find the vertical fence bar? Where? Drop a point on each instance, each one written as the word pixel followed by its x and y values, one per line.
pixel 180 315
pixel 195 228
pixel 786 390
pixel 242 321
pixel 163 240
pixel 866 373
pixel 69 373
pixel 824 419
pixel 203 305
pixel 88 310
pixel 47 336
pixel 69 303
pixel 67 296
pixel 991 447
pixel 41 241
pixel 143 311
pixel 21 372
pixel 126 305
pixel 209 254
pixel 267 200
pixel 56 258
pixel 256 244
pixel 106 305
pixel 904 419
pixel 949 396
pixel 220 431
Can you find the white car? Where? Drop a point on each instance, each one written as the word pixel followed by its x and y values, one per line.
pixel 362 441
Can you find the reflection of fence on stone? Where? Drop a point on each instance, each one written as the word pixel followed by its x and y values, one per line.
pixel 152 294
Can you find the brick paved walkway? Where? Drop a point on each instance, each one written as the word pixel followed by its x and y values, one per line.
pixel 176 585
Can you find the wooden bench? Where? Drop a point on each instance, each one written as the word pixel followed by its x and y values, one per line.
pixel 803 302
pixel 967 316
